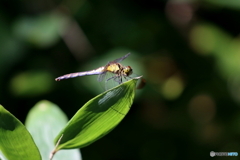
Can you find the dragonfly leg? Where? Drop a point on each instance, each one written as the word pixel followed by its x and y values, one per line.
pixel 120 80
pixel 111 78
pixel 125 77
pixel 117 78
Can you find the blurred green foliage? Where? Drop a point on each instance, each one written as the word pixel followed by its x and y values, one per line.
pixel 187 50
pixel 44 121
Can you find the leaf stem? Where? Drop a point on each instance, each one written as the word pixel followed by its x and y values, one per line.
pixel 55 149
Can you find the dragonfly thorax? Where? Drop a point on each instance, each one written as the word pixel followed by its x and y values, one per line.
pixel 119 69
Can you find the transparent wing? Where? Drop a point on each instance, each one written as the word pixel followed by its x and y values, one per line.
pixel 111 80
pixel 121 59
pixel 101 77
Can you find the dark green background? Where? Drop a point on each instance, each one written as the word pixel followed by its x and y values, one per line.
pixel 188 52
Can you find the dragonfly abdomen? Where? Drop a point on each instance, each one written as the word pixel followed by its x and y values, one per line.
pixel 79 74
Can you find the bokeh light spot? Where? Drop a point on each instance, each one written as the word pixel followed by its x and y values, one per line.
pixel 31 83
pixel 202 108
pixel 172 88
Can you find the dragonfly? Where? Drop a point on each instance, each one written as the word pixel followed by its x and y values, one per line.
pixel 119 71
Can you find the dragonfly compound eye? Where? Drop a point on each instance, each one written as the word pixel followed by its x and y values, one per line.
pixel 128 70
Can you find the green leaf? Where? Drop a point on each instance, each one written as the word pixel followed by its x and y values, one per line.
pixel 16 142
pixel 44 122
pixel 97 117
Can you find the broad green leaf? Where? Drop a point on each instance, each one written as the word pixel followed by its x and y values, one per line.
pixel 16 142
pixel 97 117
pixel 44 122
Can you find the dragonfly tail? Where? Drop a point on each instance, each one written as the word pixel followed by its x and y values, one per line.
pixel 77 74
pixel 71 75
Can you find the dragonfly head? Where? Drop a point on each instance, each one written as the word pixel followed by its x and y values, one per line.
pixel 127 70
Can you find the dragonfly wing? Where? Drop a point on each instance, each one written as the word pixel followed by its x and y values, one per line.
pixel 109 81
pixel 121 59
pixel 101 77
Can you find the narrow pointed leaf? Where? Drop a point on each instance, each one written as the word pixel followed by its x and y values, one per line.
pixel 44 122
pixel 98 116
pixel 15 141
